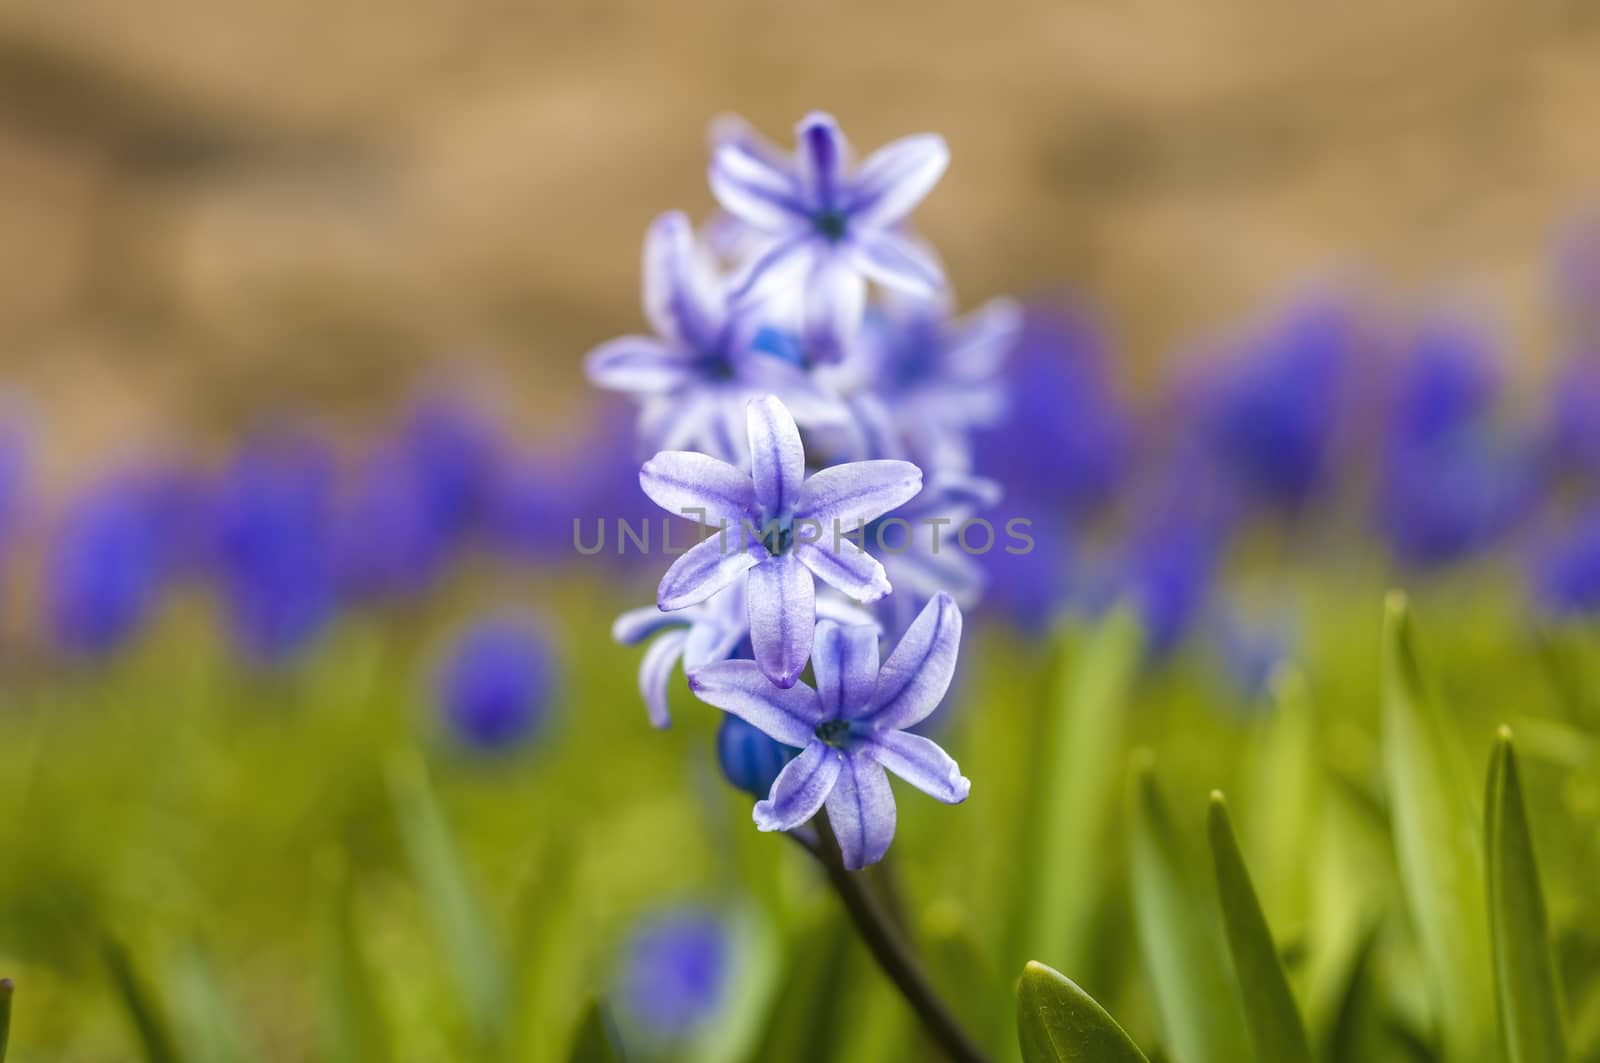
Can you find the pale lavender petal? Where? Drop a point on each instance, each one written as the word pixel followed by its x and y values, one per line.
pixel 773 268
pixel 952 498
pixel 732 129
pixel 861 811
pixel 920 762
pixel 706 568
pixel 709 643
pixel 750 187
pixel 781 598
pixel 860 491
pixel 835 298
pixel 844 566
pixel 899 262
pixel 787 715
pixel 699 488
pixel 638 365
pixel 800 788
pixel 682 297
pixel 811 404
pixel 984 340
pixel 896 177
pixel 636 625
pixel 832 605
pixel 845 661
pixel 655 673
pixel 914 679
pixel 777 460
pixel 822 157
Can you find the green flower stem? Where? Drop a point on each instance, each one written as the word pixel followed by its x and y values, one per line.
pixel 888 946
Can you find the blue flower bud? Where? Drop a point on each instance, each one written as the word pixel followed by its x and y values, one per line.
pixel 104 573
pixel 675 972
pixel 495 687
pixel 750 760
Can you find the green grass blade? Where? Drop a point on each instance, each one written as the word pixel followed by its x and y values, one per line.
pixel 1076 777
pixel 1059 1023
pixel 594 1041
pixel 1269 1008
pixel 1526 985
pixel 6 991
pixel 145 1013
pixel 357 1029
pixel 451 900
pixel 1179 936
pixel 1437 845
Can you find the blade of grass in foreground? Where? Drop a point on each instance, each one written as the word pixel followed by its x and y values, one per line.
pixel 1076 774
pixel 594 1041
pixel 1179 937
pixel 1269 1008
pixel 1441 869
pixel 6 990
pixel 145 1013
pixel 1059 1023
pixel 1526 985
pixel 357 1030
pixel 446 890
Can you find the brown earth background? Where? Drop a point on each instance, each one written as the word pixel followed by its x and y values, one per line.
pixel 210 210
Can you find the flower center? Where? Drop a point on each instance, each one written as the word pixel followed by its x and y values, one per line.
pixel 831 224
pixel 777 536
pixel 833 732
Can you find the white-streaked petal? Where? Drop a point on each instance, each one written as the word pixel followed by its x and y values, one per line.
pixel 781 598
pixel 706 568
pixel 897 261
pixel 698 487
pixel 896 177
pixel 750 187
pixel 636 625
pixel 920 762
pixel 800 788
pixel 787 715
pixel 835 299
pixel 844 566
pixel 638 365
pixel 845 662
pixel 682 296
pixel 861 811
pixel 655 674
pixel 852 494
pixel 777 459
pixel 914 679
pixel 821 155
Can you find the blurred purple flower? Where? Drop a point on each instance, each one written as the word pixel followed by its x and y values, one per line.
pixel 702 367
pixel 920 549
pixel 1030 588
pixel 387 540
pixel 105 570
pixel 676 969
pixel 851 727
pixel 1066 436
pixel 273 543
pixel 827 226
pixel 495 686
pixel 1574 418
pixel 453 448
pixel 779 531
pixel 1565 569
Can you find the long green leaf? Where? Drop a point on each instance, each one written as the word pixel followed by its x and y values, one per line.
pixel 357 1029
pixel 1441 869
pixel 1059 1023
pixel 451 900
pixel 1269 1008
pixel 1076 778
pixel 594 1041
pixel 1180 937
pixel 1526 985
pixel 145 1013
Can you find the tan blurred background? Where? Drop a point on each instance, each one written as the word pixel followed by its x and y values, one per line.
pixel 212 208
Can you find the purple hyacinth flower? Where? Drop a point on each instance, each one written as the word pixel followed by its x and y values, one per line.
pixel 106 567
pixel 921 549
pixel 1574 417
pixel 697 635
pixel 695 376
pixel 494 688
pixel 387 541
pixel 273 544
pixel 1565 570
pixel 779 531
pixel 675 976
pixel 749 759
pixel 852 727
pixel 828 226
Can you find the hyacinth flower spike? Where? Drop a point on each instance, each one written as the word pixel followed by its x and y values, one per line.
pixel 778 530
pixel 695 375
pixel 828 227
pixel 851 727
